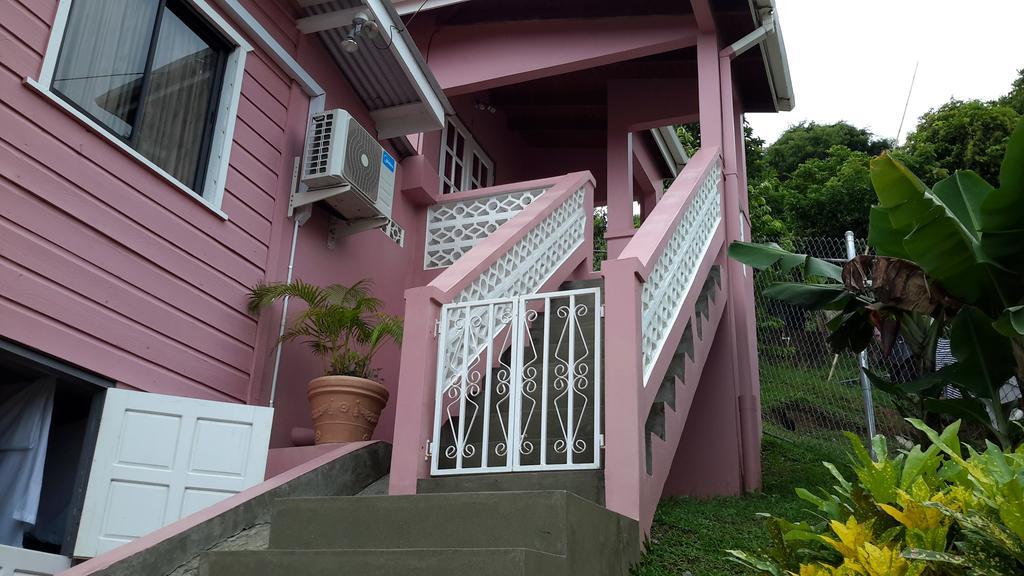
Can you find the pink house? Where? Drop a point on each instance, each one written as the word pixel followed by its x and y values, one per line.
pixel 155 164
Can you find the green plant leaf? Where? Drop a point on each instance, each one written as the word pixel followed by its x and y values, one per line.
pixel 851 331
pixel 947 249
pixel 763 256
pixel 884 237
pixel 985 357
pixel 1011 322
pixel 963 194
pixel 964 408
pixel 809 296
pixel 932 556
pixel 1002 213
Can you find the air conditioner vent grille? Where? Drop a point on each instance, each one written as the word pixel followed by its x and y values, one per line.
pixel 362 161
pixel 319 149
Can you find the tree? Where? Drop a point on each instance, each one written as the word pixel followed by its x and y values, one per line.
pixel 1015 99
pixel 826 197
pixel 961 135
pixel 763 222
pixel 809 140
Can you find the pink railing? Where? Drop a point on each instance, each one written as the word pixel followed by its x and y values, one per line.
pixel 652 292
pixel 538 247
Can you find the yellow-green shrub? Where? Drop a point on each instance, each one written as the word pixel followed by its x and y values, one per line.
pixel 923 512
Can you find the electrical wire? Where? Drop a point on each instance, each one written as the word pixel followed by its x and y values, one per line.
pixel 405 26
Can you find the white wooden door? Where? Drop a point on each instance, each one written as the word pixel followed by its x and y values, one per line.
pixel 160 458
pixel 20 562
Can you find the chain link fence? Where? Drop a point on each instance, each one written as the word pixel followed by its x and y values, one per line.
pixel 806 389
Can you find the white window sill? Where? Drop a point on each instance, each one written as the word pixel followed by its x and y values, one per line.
pixel 93 126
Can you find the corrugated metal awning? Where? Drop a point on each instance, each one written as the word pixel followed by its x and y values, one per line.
pixel 386 72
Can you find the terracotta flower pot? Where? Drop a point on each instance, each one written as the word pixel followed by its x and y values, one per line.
pixel 345 408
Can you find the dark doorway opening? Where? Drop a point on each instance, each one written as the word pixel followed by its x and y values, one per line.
pixel 46 402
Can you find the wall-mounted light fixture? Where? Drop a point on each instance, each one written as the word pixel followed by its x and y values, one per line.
pixel 362 26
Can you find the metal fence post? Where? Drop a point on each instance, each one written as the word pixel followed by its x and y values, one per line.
pixel 862 358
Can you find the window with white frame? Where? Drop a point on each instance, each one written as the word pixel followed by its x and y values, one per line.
pixel 159 77
pixel 464 165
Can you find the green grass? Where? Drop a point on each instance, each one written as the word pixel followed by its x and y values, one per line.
pixel 692 535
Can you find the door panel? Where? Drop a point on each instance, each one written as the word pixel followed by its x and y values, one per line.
pixel 20 562
pixel 160 458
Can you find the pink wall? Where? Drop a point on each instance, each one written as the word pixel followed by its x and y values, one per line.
pixel 106 265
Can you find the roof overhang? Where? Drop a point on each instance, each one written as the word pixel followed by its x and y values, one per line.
pixel 671 149
pixel 406 7
pixel 773 49
pixel 388 73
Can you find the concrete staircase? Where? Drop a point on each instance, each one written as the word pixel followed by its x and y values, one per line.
pixel 536 533
pixel 507 524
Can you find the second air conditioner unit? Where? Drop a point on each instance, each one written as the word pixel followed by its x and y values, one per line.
pixel 346 168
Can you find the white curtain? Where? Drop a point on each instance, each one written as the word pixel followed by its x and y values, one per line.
pixel 102 66
pixel 25 416
pixel 177 107
pixel 103 58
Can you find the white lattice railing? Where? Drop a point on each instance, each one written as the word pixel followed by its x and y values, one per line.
pixel 675 268
pixel 455 226
pixel 522 269
pixel 535 249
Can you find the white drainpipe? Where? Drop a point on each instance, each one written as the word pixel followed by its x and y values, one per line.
pixel 300 217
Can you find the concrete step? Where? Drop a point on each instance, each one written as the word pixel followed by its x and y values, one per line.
pixel 587 484
pixel 540 532
pixel 533 520
pixel 384 562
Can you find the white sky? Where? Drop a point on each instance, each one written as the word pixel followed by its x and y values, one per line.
pixel 853 60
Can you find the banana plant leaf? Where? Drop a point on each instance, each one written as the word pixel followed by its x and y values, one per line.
pixel 764 256
pixel 984 356
pixel 965 408
pixel 947 248
pixel 984 363
pixel 851 330
pixel 927 385
pixel 1011 322
pixel 810 296
pixel 1002 212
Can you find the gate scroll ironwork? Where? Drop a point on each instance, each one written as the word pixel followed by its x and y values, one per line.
pixel 519 384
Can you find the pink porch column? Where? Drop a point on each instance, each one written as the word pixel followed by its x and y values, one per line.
pixel 619 187
pixel 734 357
pixel 741 287
pixel 624 446
pixel 413 414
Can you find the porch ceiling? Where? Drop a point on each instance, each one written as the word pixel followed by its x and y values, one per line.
pixel 762 88
pixel 571 111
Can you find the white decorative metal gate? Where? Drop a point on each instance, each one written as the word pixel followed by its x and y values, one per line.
pixel 519 384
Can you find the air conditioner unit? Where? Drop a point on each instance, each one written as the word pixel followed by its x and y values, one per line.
pixel 347 168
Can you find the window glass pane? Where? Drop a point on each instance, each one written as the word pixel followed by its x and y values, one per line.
pixel 460 144
pixel 176 109
pixel 103 59
pixel 457 177
pixel 450 131
pixel 484 175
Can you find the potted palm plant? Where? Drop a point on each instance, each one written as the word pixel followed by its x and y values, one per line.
pixel 345 327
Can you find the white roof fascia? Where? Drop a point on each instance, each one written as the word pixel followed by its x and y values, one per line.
pixel 671 148
pixel 402 45
pixel 774 50
pixel 406 7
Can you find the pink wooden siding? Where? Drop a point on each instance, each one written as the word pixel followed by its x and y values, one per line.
pixel 106 265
